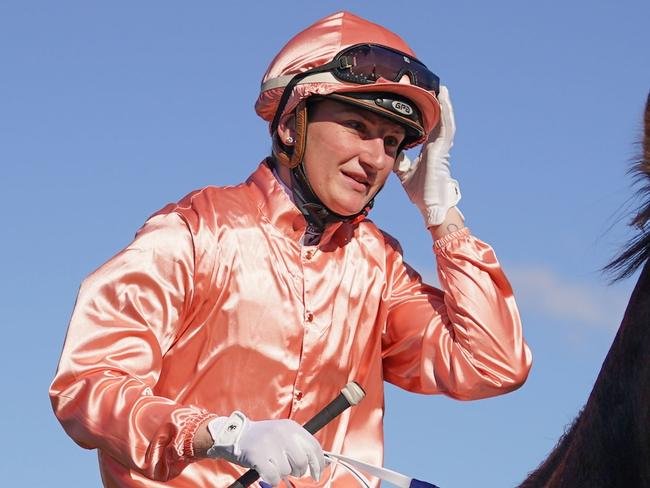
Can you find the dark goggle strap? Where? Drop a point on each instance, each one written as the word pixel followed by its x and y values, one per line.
pixel 292 83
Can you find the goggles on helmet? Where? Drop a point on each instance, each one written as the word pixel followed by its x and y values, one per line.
pixel 365 64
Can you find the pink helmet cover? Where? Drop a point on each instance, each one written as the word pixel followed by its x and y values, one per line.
pixel 317 45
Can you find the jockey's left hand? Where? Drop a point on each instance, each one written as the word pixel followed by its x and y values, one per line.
pixel 427 179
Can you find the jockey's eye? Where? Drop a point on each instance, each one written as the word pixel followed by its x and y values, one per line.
pixel 356 125
pixel 391 141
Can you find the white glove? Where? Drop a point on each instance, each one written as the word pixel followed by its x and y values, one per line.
pixel 426 179
pixel 274 448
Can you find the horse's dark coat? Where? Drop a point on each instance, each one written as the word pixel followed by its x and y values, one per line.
pixel 608 445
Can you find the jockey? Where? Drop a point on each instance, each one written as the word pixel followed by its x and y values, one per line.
pixel 237 313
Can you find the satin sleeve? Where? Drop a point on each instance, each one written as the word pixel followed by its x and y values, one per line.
pixel 464 340
pixel 127 314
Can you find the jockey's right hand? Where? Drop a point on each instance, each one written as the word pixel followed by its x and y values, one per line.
pixel 274 448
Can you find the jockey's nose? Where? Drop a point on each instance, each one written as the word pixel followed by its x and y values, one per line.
pixel 373 153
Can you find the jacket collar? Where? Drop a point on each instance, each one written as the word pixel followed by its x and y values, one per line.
pixel 277 207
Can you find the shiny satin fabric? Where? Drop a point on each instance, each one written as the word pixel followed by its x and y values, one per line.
pixel 317 45
pixel 216 306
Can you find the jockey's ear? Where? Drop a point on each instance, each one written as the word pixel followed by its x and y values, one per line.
pixel 286 131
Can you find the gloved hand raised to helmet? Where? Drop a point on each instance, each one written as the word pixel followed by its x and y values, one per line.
pixel 274 448
pixel 427 179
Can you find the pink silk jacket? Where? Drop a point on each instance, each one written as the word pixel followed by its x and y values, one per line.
pixel 217 306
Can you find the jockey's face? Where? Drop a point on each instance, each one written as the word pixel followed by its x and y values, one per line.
pixel 349 154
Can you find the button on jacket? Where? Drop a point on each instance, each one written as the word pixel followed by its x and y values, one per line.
pixel 216 306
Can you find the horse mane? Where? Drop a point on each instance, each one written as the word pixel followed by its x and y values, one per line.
pixel 608 443
pixel 637 249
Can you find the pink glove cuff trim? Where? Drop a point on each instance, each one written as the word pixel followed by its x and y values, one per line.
pixel 441 243
pixel 189 431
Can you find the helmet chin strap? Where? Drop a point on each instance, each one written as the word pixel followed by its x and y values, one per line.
pixel 316 213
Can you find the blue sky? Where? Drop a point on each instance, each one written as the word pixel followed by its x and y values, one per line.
pixel 109 110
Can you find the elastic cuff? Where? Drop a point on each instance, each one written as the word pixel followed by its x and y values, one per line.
pixel 441 243
pixel 190 428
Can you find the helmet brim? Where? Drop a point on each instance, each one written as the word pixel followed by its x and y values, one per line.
pixel 426 101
